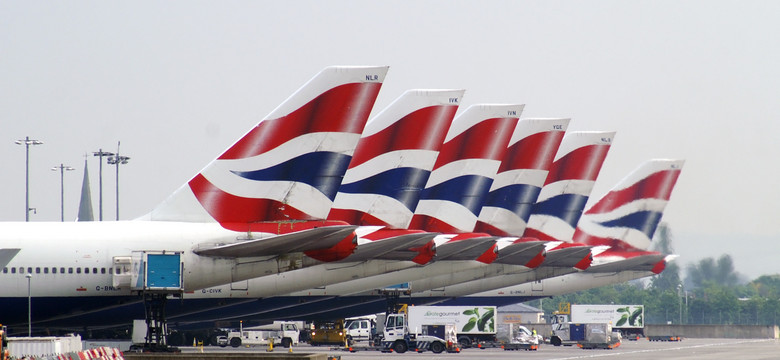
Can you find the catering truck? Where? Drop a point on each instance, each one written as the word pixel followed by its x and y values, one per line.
pixel 628 319
pixel 590 326
pixel 473 324
pixel 400 333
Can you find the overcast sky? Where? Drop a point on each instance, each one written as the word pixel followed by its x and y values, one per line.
pixel 177 82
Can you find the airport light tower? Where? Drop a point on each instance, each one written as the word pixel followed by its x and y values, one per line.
pixel 117 159
pixel 100 153
pixel 27 142
pixel 62 168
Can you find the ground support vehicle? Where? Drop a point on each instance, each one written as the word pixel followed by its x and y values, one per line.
pixel 283 334
pixel 600 336
pixel 393 335
pixel 360 329
pixel 522 339
pixel 474 324
pixel 586 336
pixel 396 335
pixel 628 319
pixel 329 332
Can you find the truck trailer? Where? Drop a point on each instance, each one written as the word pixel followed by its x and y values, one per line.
pixel 473 324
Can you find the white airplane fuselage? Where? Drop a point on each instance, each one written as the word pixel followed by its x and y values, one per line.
pixel 79 259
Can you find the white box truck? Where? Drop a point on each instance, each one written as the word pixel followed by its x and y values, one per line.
pixel 280 333
pixel 473 324
pixel 628 319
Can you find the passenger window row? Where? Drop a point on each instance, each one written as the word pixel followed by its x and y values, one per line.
pixel 61 270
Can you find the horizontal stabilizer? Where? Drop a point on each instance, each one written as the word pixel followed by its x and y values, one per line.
pixel 644 262
pixel 521 252
pixel 567 257
pixel 466 249
pixel 305 240
pixel 6 255
pixel 394 248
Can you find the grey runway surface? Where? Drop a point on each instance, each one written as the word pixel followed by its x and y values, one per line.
pixel 635 350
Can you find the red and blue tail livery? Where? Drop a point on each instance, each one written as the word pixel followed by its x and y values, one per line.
pixel 627 216
pixel 464 171
pixel 568 185
pixel 394 158
pixel 290 166
pixel 520 178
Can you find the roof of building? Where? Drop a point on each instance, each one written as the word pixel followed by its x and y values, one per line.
pixel 519 307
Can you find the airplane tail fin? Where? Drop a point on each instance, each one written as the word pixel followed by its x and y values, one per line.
pixel 521 176
pixel 568 185
pixel 464 171
pixel 628 215
pixel 290 165
pixel 394 158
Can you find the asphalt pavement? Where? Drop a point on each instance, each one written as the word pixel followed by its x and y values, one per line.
pixel 687 349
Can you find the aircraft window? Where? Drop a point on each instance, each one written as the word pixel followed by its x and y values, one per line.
pixel 70 270
pixel 21 270
pixel 78 270
pixel 5 270
pixel 13 270
pixel 29 270
pixel 62 270
pixel 54 270
pixel 86 270
pixel 102 270
pixel 37 270
pixel 94 270
pixel 45 270
pixel 110 270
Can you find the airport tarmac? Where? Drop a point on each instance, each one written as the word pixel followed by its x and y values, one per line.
pixel 636 350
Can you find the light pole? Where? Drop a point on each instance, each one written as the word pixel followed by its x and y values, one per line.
pixel 27 142
pixel 100 153
pixel 62 168
pixel 117 159
pixel 679 295
pixel 29 305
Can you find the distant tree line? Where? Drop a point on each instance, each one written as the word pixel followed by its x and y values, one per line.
pixel 711 293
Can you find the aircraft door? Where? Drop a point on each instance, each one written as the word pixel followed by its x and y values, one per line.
pixel 537 285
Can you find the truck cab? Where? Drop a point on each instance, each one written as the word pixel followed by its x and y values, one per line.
pixel 361 329
pixel 396 336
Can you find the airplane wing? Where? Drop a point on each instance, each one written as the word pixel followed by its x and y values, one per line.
pixel 395 248
pixel 305 240
pixel 6 255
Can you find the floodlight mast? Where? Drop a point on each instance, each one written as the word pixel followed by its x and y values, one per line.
pixel 117 159
pixel 100 153
pixel 27 142
pixel 62 168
